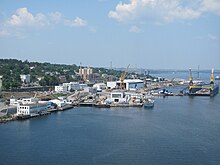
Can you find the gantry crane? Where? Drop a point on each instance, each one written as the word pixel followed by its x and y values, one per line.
pixel 122 78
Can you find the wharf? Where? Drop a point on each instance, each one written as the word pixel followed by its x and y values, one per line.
pixel 102 105
pixel 84 104
pixel 66 107
pixel 23 117
pixel 171 94
pixel 7 118
pixel 126 105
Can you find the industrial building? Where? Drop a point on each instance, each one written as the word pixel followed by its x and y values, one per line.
pixel 130 84
pixel 67 87
pixel 100 86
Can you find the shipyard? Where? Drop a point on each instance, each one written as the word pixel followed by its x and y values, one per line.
pixel 103 82
pixel 136 92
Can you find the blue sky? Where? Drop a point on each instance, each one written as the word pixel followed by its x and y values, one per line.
pixel 152 34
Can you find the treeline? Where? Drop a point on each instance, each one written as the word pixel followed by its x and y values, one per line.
pixel 44 74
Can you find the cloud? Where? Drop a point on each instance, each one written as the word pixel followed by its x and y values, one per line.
pixel 55 17
pixel 212 37
pixel 211 6
pixel 134 29
pixel 4 33
pixel 163 10
pixel 24 18
pixel 77 22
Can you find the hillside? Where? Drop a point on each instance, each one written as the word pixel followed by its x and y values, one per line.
pixel 45 74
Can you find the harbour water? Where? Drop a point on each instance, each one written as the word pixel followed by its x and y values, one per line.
pixel 179 130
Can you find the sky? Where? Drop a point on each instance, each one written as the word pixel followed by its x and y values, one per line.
pixel 151 34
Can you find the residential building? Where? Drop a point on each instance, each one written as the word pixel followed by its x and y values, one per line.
pixel 26 78
pixel 85 73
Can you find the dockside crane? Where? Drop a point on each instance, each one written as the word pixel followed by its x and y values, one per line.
pixel 191 77
pixel 122 78
pixel 212 77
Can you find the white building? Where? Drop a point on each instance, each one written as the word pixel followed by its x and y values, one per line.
pixel 72 85
pixel 29 106
pixel 59 103
pixel 60 89
pixel 25 78
pixel 30 109
pixel 118 97
pixel 66 87
pixel 100 86
pixel 130 84
pixel 15 102
pixel 111 84
pixel 31 100
pixel 89 89
pixel 82 86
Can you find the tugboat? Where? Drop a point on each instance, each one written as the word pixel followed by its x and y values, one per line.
pixel 149 103
pixel 217 78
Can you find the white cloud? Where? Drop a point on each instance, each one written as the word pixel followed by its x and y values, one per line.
pixel 211 6
pixel 77 22
pixel 212 37
pixel 24 18
pixel 134 29
pixel 4 33
pixel 163 10
pixel 56 17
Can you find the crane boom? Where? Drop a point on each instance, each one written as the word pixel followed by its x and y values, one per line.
pixel 191 77
pixel 123 75
pixel 212 77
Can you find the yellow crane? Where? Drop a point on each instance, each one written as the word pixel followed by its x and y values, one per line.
pixel 212 77
pixel 191 77
pixel 122 78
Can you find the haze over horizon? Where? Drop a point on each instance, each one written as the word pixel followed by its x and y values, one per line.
pixel 154 34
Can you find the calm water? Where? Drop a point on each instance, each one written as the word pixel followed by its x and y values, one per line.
pixel 179 130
